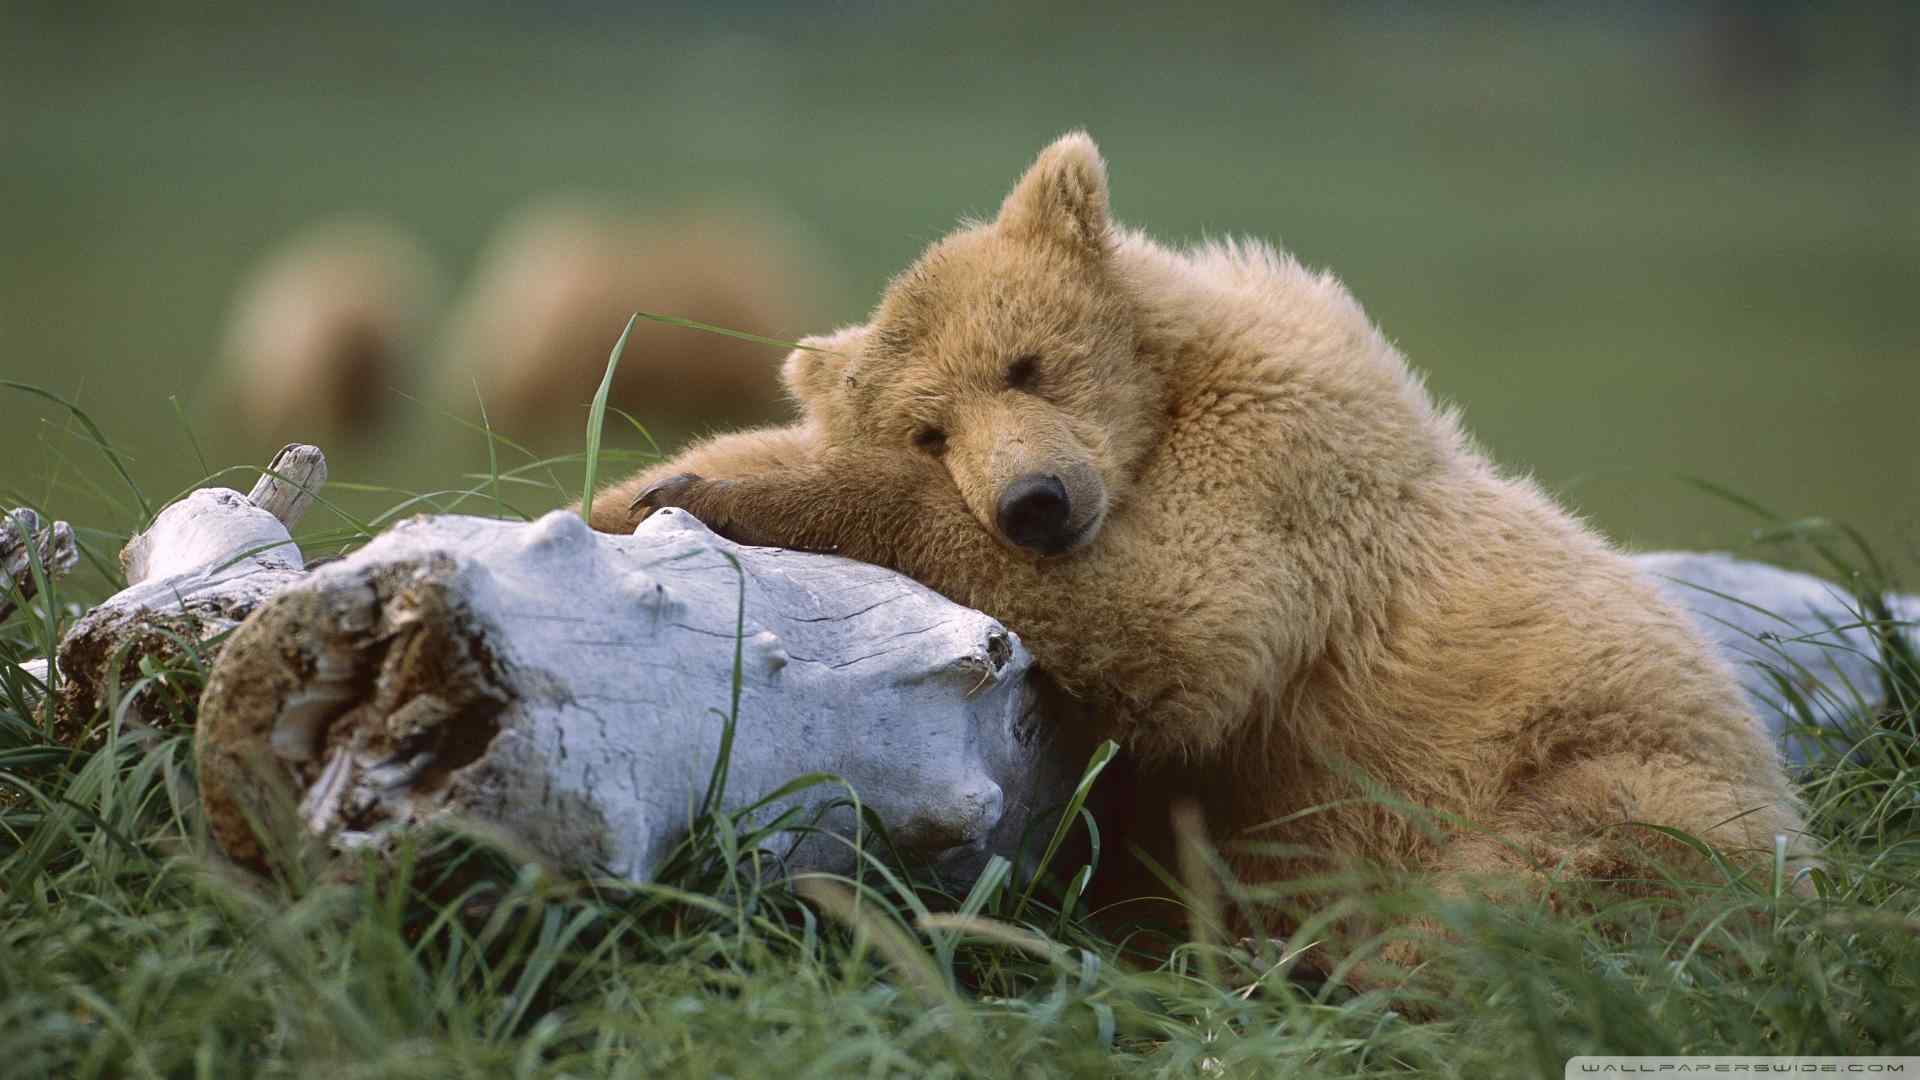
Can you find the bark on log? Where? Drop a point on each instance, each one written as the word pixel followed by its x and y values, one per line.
pixel 573 688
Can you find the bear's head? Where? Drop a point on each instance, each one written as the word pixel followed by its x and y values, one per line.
pixel 1005 359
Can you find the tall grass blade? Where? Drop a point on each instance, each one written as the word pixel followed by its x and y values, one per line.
pixel 596 417
pixel 709 328
pixel 1096 764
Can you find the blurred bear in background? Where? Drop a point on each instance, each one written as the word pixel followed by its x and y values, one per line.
pixel 327 327
pixel 559 280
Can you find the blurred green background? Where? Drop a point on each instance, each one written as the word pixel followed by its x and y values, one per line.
pixel 1636 243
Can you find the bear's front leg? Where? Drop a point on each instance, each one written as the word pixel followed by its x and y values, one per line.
pixel 816 503
pixel 618 509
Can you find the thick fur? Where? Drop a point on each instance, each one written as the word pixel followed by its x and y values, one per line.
pixel 327 327
pixel 560 278
pixel 1304 586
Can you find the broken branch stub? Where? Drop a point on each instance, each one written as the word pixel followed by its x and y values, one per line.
pixel 27 542
pixel 291 480
pixel 575 690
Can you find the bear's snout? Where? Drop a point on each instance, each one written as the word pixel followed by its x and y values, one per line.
pixel 1036 513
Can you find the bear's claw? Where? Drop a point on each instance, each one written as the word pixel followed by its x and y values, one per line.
pixel 705 499
pixel 666 493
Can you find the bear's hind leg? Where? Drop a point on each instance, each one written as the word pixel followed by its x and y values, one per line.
pixel 1585 827
pixel 1590 819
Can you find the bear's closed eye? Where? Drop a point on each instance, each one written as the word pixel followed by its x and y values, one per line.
pixel 932 440
pixel 1021 372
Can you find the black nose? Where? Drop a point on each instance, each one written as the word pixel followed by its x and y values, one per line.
pixel 1035 513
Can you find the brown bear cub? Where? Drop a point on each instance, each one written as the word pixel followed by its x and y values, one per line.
pixel 1225 515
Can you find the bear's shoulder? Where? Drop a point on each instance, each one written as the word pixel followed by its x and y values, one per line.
pixel 1244 314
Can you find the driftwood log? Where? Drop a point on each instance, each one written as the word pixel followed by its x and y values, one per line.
pixel 574 689
pixel 1808 657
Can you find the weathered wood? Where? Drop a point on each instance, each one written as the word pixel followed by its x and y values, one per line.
pixel 25 541
pixel 293 478
pixel 574 688
pixel 200 568
pixel 1778 626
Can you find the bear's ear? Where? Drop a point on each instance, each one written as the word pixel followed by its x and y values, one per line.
pixel 1062 197
pixel 815 371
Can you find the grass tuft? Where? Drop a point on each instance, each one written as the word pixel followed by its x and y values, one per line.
pixel 597 417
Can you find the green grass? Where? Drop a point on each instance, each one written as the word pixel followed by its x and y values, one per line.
pixel 127 948
pixel 596 425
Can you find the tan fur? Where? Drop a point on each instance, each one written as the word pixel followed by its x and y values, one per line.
pixel 559 280
pixel 329 326
pixel 1308 585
